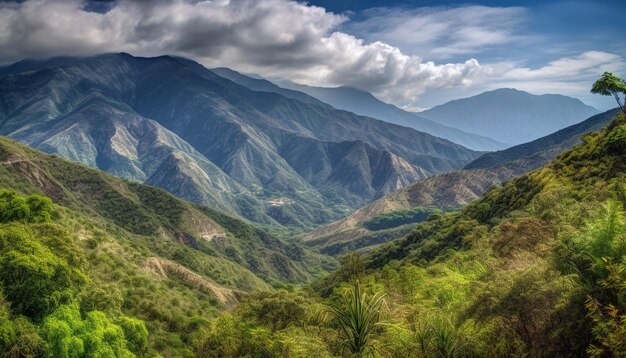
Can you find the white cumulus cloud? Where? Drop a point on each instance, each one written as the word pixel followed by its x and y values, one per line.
pixel 389 53
pixel 275 38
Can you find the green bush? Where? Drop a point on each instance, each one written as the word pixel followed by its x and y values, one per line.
pixel 34 208
pixel 276 310
pixel 67 334
pixel 135 333
pixel 35 279
pixel 615 141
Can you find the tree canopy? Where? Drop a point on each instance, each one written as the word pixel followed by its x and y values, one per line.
pixel 611 85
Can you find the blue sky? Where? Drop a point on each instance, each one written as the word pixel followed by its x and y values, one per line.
pixel 415 54
pixel 547 31
pixel 570 26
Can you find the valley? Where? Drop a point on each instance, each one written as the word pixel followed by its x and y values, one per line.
pixel 359 179
pixel 448 191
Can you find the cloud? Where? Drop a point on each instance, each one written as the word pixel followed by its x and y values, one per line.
pixel 590 63
pixel 571 75
pixel 275 38
pixel 442 32
pixel 306 44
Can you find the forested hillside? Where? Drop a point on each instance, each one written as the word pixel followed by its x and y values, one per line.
pixel 446 191
pixel 534 268
pixel 92 265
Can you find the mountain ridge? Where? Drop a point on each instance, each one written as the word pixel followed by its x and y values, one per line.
pixel 366 105
pixel 550 145
pixel 510 115
pixel 449 190
pixel 230 132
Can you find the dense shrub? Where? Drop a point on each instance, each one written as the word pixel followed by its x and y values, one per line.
pixel 35 279
pixel 67 334
pixel 34 208
pixel 399 217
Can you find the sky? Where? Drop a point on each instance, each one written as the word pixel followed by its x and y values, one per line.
pixel 412 53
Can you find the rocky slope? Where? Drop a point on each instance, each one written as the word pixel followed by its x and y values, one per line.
pixel 449 190
pixel 174 124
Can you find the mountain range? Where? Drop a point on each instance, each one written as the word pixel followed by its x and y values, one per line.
pixel 511 116
pixel 515 252
pixel 273 158
pixel 449 190
pixel 490 121
pixel 365 104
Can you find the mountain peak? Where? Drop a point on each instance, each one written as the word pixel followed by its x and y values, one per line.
pixel 238 141
pixel 511 116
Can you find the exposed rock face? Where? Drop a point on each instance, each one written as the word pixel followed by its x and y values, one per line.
pixel 450 190
pixel 172 123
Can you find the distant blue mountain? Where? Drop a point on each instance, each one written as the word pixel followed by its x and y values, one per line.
pixel 365 104
pixel 511 116
pixel 546 148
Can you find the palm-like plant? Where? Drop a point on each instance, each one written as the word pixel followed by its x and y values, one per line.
pixel 439 337
pixel 358 319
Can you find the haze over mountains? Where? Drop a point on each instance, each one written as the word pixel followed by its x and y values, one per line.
pixel 511 116
pixel 172 123
pixel 365 104
pixel 490 121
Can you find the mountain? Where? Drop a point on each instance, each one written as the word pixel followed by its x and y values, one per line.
pixel 446 191
pixel 511 116
pixel 263 85
pixel 172 123
pixel 135 250
pixel 548 147
pixel 534 268
pixel 365 104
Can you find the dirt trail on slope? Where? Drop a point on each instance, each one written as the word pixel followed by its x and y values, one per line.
pixel 165 268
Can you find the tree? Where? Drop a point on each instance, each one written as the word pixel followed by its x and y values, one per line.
pixel 36 280
pixel 33 209
pixel 611 85
pixel 68 334
pixel 278 310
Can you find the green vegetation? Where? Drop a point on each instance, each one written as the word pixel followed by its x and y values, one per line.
pixel 399 217
pixel 611 85
pixel 537 267
pixel 69 335
pixel 109 267
pixel 42 273
pixel 358 319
